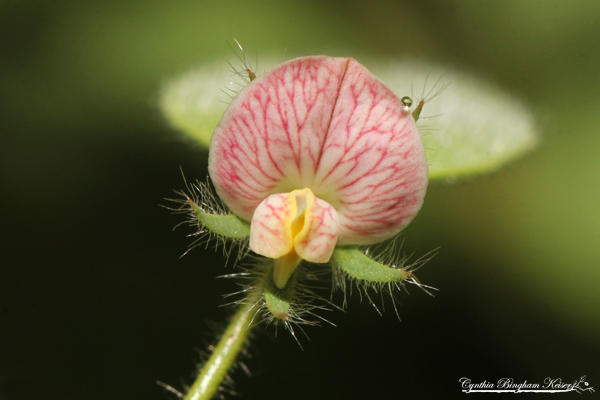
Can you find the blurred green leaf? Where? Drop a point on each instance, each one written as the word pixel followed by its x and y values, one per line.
pixel 194 102
pixel 470 127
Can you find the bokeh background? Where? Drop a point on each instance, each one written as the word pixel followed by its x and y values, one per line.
pixel 95 302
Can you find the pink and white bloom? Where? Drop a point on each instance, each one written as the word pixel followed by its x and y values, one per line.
pixel 317 153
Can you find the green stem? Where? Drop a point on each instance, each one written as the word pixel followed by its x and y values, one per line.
pixel 224 354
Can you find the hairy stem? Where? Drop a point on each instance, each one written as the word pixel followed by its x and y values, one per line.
pixel 225 352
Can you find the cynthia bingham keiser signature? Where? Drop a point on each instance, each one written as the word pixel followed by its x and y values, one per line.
pixel 508 385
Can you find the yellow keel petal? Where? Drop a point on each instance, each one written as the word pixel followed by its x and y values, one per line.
pixel 284 268
pixel 293 226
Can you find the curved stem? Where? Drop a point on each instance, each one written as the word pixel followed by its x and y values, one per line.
pixel 224 354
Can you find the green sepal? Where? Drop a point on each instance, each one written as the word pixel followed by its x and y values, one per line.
pixel 228 225
pixel 359 266
pixel 279 301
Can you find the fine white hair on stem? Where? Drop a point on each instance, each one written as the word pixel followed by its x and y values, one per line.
pixel 203 354
pixel 202 195
pixel 170 389
pixel 214 333
pixel 306 305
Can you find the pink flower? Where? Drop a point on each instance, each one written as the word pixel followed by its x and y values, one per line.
pixel 317 153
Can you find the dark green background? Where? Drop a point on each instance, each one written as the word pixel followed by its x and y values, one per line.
pixel 94 300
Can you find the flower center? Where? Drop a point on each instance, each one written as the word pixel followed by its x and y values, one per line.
pixel 290 227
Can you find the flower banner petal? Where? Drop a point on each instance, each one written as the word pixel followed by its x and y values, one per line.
pixel 329 125
pixel 373 168
pixel 270 138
